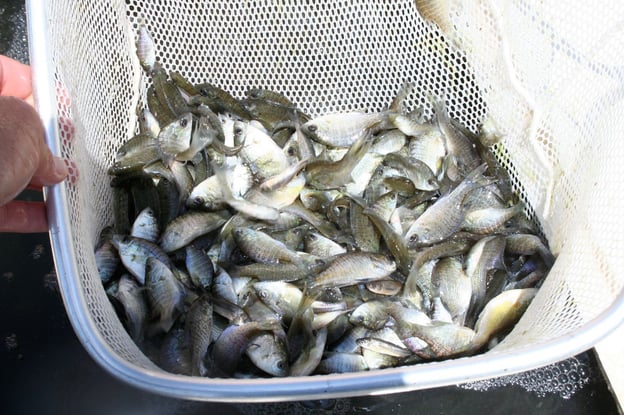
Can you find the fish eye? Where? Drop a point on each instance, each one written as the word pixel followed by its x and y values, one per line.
pixel 183 122
pixel 263 294
pixel 203 92
pixel 413 238
pixel 312 128
pixel 197 201
pixel 238 130
pixel 280 364
pixel 291 151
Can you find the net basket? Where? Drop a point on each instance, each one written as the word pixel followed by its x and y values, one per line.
pixel 550 76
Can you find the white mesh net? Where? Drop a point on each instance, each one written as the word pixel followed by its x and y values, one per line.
pixel 551 76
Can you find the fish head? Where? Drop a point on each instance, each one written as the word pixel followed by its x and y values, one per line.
pixel 120 241
pixel 195 202
pixel 208 92
pixel 311 130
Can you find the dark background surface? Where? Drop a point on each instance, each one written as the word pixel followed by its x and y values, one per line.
pixel 45 370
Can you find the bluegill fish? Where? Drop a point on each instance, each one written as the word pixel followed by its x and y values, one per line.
pixel 145 225
pixel 341 129
pixel 135 252
pixel 501 312
pixel 164 292
pixel 331 175
pixel 232 343
pixel 310 356
pixel 146 50
pixel 268 352
pixel 262 248
pixel 130 295
pixel 354 268
pixel 453 287
pixel 106 260
pixel 342 363
pixel 200 268
pixel 186 228
pixel 446 215
pixel 175 137
pixel 198 327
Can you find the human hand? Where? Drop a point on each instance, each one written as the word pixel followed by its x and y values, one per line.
pixel 25 159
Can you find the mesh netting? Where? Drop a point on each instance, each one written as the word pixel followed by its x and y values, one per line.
pixel 550 76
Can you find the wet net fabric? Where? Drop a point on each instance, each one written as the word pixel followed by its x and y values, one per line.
pixel 550 76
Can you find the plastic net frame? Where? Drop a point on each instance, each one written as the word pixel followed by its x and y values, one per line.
pixel 551 79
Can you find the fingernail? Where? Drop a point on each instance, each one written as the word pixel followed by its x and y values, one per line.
pixel 60 168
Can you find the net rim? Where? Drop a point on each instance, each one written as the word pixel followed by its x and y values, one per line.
pixel 401 379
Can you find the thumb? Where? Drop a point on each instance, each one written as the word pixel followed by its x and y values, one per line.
pixel 50 170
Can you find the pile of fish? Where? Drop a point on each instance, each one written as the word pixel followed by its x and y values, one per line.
pixel 251 239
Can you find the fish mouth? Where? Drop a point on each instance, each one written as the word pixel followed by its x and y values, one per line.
pixel 196 202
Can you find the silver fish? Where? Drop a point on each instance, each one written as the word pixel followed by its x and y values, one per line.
pixel 341 129
pixel 321 246
pixel 310 356
pixel 200 267
pixel 198 327
pixel 485 255
pixel 526 244
pixel 416 170
pixel 354 268
pixel 234 341
pixel 445 216
pixel 501 312
pixel 145 226
pixel 260 152
pixel 164 293
pixel 130 295
pixel 146 50
pixel 281 297
pixel 175 137
pixel 326 175
pixel 188 227
pixel 106 260
pixel 262 248
pixel 489 220
pixel 268 352
pixel 443 339
pixel 174 355
pixel 134 253
pixel 453 287
pixel 342 363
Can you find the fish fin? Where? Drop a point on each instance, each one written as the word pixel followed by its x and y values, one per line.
pixel 398 103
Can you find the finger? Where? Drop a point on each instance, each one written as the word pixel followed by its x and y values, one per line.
pixel 51 170
pixel 15 78
pixel 23 217
pixel 24 153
